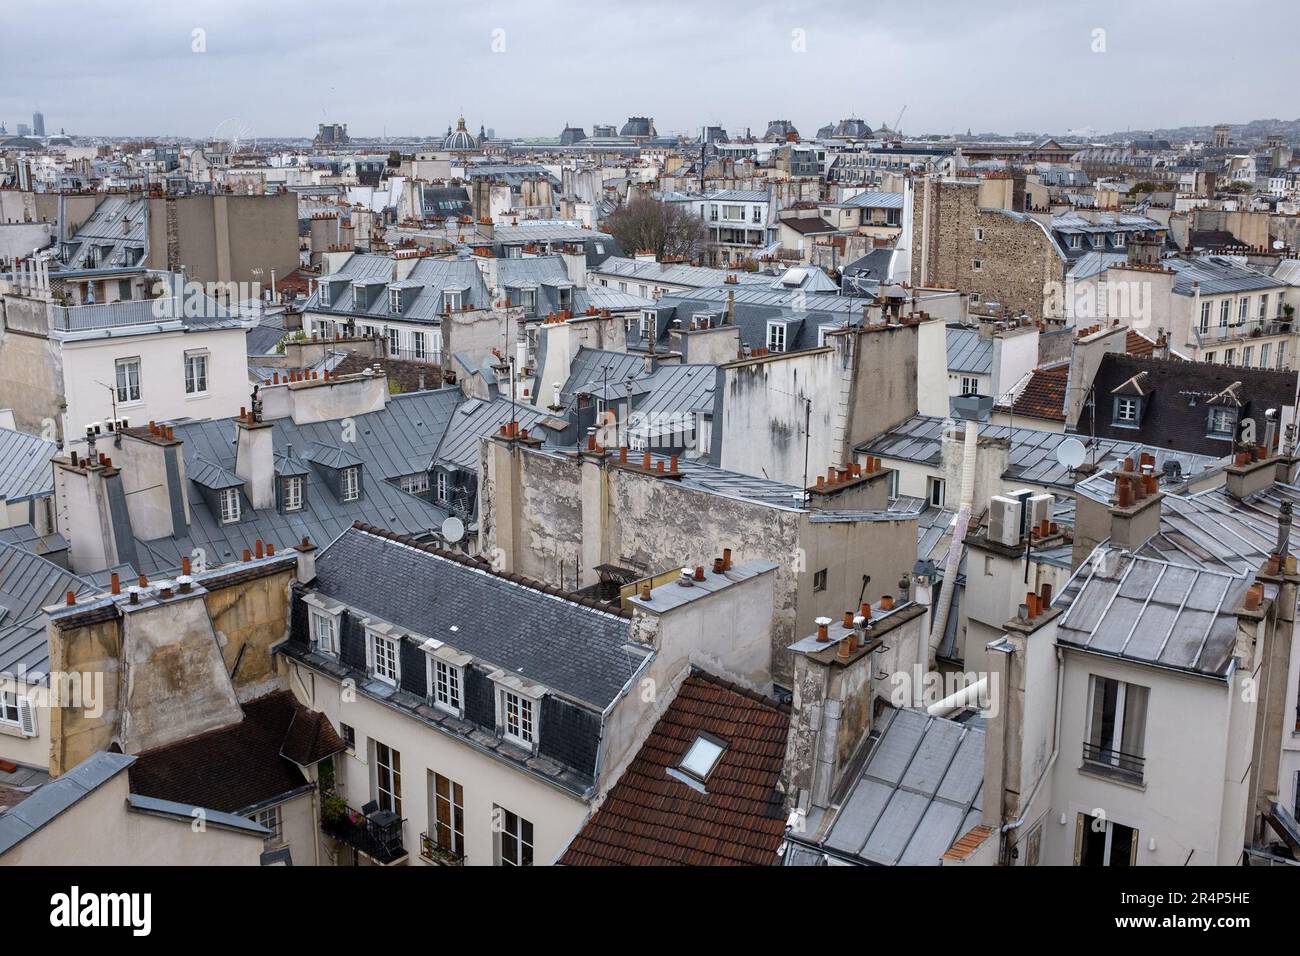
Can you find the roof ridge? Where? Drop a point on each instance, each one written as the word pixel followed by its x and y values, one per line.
pixel 480 564
pixel 757 697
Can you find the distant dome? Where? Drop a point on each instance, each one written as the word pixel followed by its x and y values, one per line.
pixel 460 140
pixel 852 129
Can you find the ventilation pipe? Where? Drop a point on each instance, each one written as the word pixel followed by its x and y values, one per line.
pixel 972 409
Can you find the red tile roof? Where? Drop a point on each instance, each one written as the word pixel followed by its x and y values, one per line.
pixel 650 818
pixel 970 842
pixel 1135 344
pixel 1044 395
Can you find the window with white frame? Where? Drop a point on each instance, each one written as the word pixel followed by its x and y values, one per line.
pixel 324 288
pixel 451 300
pixel 385 657
pixel 970 385
pixel 292 486
pixel 446 683
pixel 388 778
pixel 979 233
pixel 441 494
pixel 415 484
pixel 196 373
pixel 324 631
pixel 128 380
pixel 395 301
pixel 977 265
pixel 528 299
pixel 1243 309
pixel 1225 310
pixel 394 341
pixel 229 498
pixel 776 336
pixel 934 491
pixel 515 846
pixel 1205 317
pixel 1222 422
pixel 1120 240
pixel 1264 355
pixel 1076 241
pixel 19 712
pixel 1248 356
pixel 271 819
pixel 1281 355
pixel 350 478
pixel 417 346
pixel 517 715
pixel 1126 410
pixel 1117 718
pixel 1263 307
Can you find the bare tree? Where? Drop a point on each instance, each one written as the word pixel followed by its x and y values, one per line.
pixel 666 229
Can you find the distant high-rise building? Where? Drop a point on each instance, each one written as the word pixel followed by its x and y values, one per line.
pixel 38 123
pixel 24 129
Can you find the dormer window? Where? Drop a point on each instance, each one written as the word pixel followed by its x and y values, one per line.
pixel 350 483
pixel 292 490
pixel 229 505
pixel 324 293
pixel 324 631
pixel 452 300
pixel 384 655
pixel 1119 239
pixel 518 718
pixel 1127 411
pixel 776 336
pixel 1222 422
pixel 395 301
pixel 1076 241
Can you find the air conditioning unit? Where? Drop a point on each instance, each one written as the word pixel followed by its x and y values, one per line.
pixel 1004 520
pixel 1039 510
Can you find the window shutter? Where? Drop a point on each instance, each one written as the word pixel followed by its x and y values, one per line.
pixel 27 716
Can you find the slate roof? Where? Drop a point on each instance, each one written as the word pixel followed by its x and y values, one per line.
pixel 1044 394
pixel 398 440
pixel 670 388
pixel 238 768
pixel 431 276
pixel 650 818
pixel 919 792
pixel 25 470
pixel 1032 457
pixel 802 312
pixel 968 351
pixel 476 417
pixel 1174 412
pixel 103 228
pixel 546 274
pixel 578 651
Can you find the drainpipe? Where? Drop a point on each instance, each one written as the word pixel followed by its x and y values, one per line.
pixel 1056 745
pixel 953 560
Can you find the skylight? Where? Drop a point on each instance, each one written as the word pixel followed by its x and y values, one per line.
pixel 703 755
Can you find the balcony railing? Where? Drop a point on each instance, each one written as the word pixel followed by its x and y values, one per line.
pixel 378 836
pixel 431 852
pixel 1127 766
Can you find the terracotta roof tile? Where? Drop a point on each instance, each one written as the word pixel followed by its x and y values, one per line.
pixel 1044 395
pixel 969 843
pixel 1135 344
pixel 652 819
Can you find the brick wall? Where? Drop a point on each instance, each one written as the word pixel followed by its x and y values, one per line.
pixel 1017 257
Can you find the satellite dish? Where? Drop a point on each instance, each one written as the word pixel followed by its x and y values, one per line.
pixel 453 529
pixel 1071 453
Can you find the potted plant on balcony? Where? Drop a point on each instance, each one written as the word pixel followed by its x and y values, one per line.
pixel 333 809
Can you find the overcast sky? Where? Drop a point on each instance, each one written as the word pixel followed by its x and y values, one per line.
pixel 406 67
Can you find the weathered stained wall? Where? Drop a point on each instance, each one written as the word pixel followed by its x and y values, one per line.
pixel 248 620
pixel 31 370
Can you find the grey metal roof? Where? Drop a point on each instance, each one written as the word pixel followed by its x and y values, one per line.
pixel 28 583
pixel 186 811
pixel 676 273
pixel 211 475
pixel 578 651
pixel 477 418
pixel 1152 611
pixel 1217 275
pixel 872 199
pixel 51 799
pixel 104 229
pixel 431 276
pixel 1032 457
pixel 548 274
pixel 330 455
pixel 396 441
pixel 25 470
pixel 968 351
pixel 919 792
